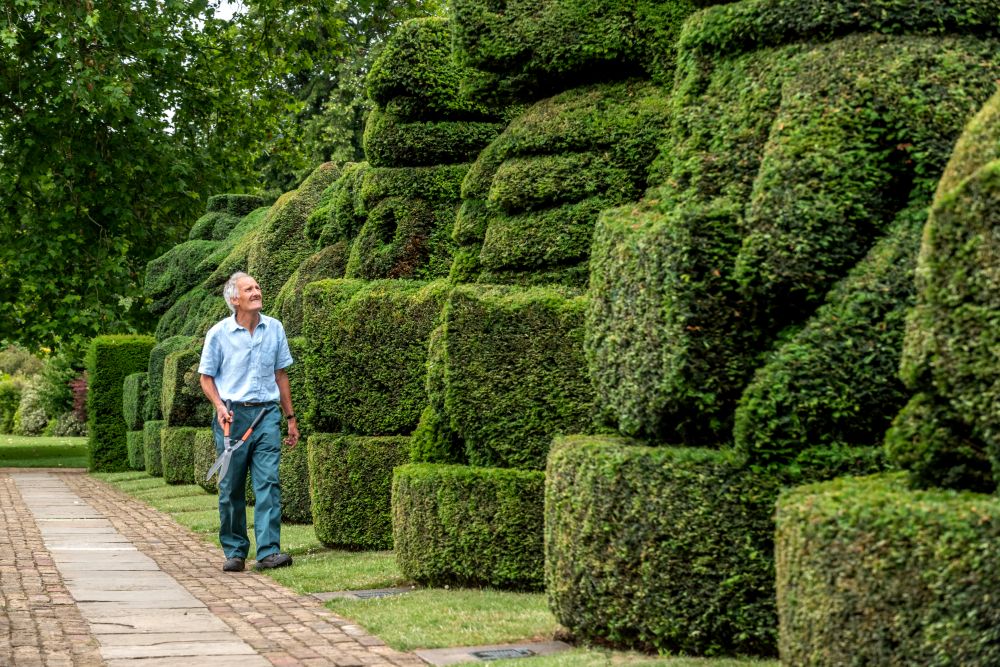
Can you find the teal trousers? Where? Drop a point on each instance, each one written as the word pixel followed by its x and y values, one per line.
pixel 261 455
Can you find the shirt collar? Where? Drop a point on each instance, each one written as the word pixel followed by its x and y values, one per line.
pixel 233 325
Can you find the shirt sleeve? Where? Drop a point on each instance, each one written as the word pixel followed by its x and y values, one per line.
pixel 283 358
pixel 210 358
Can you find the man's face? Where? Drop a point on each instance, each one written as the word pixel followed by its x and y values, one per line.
pixel 248 296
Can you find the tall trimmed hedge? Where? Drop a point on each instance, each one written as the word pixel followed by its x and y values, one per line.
pixel 237 206
pixel 329 262
pixel 151 447
pixel 392 141
pixel 670 549
pixel 202 457
pixel 870 572
pixel 175 272
pixel 177 453
pixel 468 526
pixel 512 372
pixel 109 360
pixel 350 479
pixel 184 403
pixel 134 390
pixel 154 373
pixel 136 455
pixel 365 353
pixel 340 212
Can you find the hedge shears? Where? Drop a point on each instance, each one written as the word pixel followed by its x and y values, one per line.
pixel 222 463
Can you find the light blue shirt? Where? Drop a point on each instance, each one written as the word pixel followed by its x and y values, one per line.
pixel 243 365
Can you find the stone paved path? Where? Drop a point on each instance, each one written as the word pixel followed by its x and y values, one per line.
pixel 90 576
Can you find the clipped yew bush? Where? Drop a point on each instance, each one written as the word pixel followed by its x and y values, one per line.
pixel 134 390
pixel 469 526
pixel 329 262
pixel 203 455
pixel 136 455
pixel 871 572
pixel 340 212
pixel 350 478
pixel 670 548
pixel 109 360
pixel 365 353
pixel 177 453
pixel 184 403
pixel 293 469
pixel 152 461
pixel 154 373
pixel 176 272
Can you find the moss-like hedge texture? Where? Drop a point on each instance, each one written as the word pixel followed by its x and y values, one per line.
pixel 408 228
pixel 232 253
pixel 152 461
pixel 763 208
pixel 184 403
pixel 206 227
pixel 467 526
pixel 110 359
pixel 366 353
pixel 669 549
pixel 392 141
pixel 133 444
pixel 514 373
pixel 350 478
pixel 552 44
pixel 202 457
pixel 870 572
pixel 177 454
pixel 293 470
pixel 237 206
pixel 949 434
pixel 154 373
pixel 340 212
pixel 532 198
pixel 176 272
pixel 329 262
pixel 134 390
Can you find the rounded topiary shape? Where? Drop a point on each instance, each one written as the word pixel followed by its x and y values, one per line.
pixel 175 272
pixel 214 226
pixel 393 141
pixel 870 572
pixel 467 526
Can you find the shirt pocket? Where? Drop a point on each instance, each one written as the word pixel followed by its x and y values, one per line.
pixel 268 354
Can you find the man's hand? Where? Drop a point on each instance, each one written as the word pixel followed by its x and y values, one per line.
pixel 293 434
pixel 222 415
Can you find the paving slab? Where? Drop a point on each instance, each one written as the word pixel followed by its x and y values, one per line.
pixel 154 624
pixel 206 661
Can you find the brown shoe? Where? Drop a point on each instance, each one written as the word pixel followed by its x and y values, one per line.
pixel 234 564
pixel 273 561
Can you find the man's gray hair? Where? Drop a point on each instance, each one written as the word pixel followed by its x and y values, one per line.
pixel 229 291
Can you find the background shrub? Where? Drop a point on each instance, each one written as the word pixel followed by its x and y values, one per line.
pixel 136 455
pixel 10 398
pixel 177 453
pixel 109 360
pixel 134 390
pixel 349 479
pixel 468 526
pixel 30 417
pixel 184 403
pixel 151 447
pixel 154 373
pixel 870 572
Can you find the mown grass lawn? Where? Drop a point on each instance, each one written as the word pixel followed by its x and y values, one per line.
pixel 18 451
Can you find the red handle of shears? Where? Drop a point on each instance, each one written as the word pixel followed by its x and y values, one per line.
pixel 225 423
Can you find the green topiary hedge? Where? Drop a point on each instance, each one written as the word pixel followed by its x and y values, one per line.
pixel 184 403
pixel 349 480
pixel 177 454
pixel 366 353
pixel 237 206
pixel 872 573
pixel 151 447
pixel 109 360
pixel 136 455
pixel 467 526
pixel 134 390
pixel 669 549
pixel 202 457
pixel 176 272
pixel 154 373
pixel 293 470
pixel 390 141
pixel 280 245
pixel 213 226
pixel 231 255
pixel 340 212
pixel 192 314
pixel 329 262
pixel 514 373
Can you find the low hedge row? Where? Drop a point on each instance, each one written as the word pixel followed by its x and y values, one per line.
pixel 154 373
pixel 670 549
pixel 152 461
pixel 390 141
pixel 184 403
pixel 177 453
pixel 467 526
pixel 134 390
pixel 349 479
pixel 365 353
pixel 514 373
pixel 109 360
pixel 870 572
pixel 136 453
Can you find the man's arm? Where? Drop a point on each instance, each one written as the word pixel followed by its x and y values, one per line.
pixel 285 397
pixel 212 393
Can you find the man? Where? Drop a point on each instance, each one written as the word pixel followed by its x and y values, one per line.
pixel 243 361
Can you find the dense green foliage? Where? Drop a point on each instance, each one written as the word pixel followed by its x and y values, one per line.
pixel 177 454
pixel 467 526
pixel 136 454
pixel 109 360
pixel 762 210
pixel 175 272
pixel 183 401
pixel 532 198
pixel 293 470
pixel 350 479
pixel 202 457
pixel 329 262
pixel 687 532
pixel 870 572
pixel 392 141
pixel 205 227
pixel 366 349
pixel 510 372
pixel 154 373
pixel 949 434
pixel 152 461
pixel 235 206
pixel 134 390
pixel 340 212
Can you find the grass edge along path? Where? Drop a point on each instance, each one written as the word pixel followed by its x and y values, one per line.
pixel 21 451
pixel 425 618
